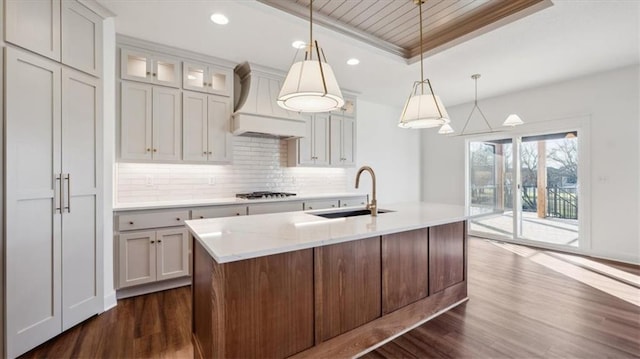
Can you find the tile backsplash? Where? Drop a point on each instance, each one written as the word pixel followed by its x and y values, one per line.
pixel 259 164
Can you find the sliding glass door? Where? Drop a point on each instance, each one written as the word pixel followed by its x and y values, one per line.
pixel 526 187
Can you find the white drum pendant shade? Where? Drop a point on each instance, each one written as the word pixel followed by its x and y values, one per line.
pixel 303 89
pixel 421 111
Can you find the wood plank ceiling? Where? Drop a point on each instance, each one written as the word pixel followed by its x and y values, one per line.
pixel 392 25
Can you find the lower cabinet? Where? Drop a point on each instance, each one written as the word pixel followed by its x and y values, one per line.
pixel 320 204
pixel 405 268
pixel 149 256
pixel 263 208
pixel 347 286
pixel 446 256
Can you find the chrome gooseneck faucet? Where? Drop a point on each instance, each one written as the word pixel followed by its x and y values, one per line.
pixel 373 205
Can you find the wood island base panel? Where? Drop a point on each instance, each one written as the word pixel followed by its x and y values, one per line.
pixel 338 300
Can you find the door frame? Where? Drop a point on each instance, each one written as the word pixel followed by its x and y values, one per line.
pixel 579 123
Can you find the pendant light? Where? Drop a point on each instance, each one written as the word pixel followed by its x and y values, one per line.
pixel 423 110
pixel 512 120
pixel 310 85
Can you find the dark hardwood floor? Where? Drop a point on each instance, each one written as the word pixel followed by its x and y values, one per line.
pixel 516 308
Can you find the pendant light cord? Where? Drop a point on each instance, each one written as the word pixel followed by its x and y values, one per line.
pixel 310 29
pixel 421 51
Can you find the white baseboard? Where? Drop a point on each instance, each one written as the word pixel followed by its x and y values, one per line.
pixel 110 300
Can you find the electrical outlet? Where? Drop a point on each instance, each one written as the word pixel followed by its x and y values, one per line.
pixel 148 180
pixel 212 180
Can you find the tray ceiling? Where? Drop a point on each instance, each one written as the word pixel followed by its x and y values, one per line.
pixel 392 25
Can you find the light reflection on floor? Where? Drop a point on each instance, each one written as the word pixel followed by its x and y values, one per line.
pixel 613 281
pixel 548 230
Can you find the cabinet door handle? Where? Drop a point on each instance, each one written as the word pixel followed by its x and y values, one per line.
pixel 131 223
pixel 178 218
pixel 159 240
pixel 310 207
pixel 237 214
pixel 154 74
pixel 57 193
pixel 201 217
pixel 148 150
pixel 152 242
pixel 155 150
pixel 148 73
pixel 333 206
pixel 210 152
pixel 204 153
pixel 68 206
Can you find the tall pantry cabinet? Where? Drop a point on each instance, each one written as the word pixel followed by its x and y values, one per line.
pixel 53 170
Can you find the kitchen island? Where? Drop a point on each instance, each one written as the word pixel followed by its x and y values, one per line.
pixel 298 284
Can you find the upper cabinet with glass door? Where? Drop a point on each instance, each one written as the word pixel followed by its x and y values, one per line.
pixel 207 78
pixel 147 67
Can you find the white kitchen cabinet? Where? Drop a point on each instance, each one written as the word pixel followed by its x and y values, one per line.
pixel 206 127
pixel 353 201
pixel 343 141
pixel 138 65
pixel 150 122
pixel 137 258
pixel 313 148
pixel 150 256
pixel 219 211
pixel 207 78
pixel 53 199
pixel 34 25
pixel 81 38
pixel 320 204
pixel 64 31
pixel 172 253
pixel 286 206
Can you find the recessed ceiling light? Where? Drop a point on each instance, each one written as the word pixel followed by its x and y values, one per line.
pixel 219 19
pixel 299 44
pixel 353 62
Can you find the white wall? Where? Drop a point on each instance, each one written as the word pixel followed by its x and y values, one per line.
pixel 611 100
pixel 393 153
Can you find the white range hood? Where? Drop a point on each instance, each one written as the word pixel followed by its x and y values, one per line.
pixel 256 111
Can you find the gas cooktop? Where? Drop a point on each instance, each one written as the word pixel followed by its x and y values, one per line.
pixel 264 195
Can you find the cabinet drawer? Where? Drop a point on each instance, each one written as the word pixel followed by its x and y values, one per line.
pixel 152 220
pixel 218 211
pixel 275 207
pixel 353 201
pixel 320 204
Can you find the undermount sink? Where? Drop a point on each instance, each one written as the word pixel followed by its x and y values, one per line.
pixel 349 213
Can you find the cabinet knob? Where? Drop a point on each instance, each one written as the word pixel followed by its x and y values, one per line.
pixel 204 153
pixel 155 150
pixel 333 206
pixel 148 73
pixel 310 207
pixel 237 214
pixel 201 217
pixel 152 242
pixel 131 223
pixel 178 218
pixel 148 150
pixel 159 240
pixel 154 74
pixel 209 152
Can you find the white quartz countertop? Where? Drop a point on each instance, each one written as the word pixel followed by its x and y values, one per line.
pixel 225 201
pixel 236 238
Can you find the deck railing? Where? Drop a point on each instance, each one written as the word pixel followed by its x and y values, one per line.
pixel 562 202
